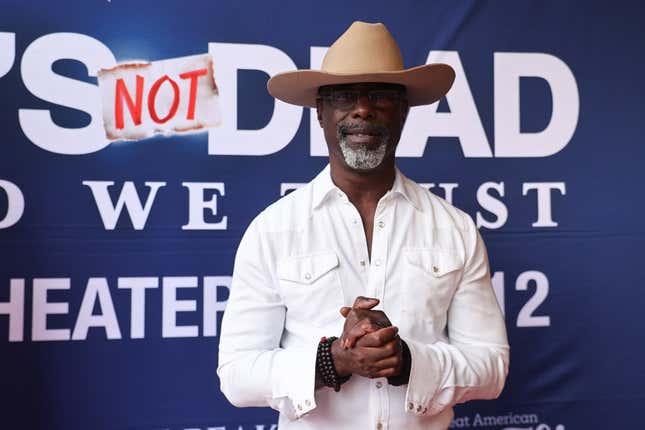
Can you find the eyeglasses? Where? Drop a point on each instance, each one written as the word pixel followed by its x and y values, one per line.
pixel 347 99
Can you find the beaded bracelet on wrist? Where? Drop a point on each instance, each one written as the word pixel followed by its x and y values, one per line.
pixel 325 365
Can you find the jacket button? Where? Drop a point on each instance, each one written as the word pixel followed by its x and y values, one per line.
pixel 307 276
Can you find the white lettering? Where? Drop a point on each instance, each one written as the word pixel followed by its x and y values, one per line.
pixel 318 145
pixel 525 318
pixel 211 304
pixel 197 204
pixel 8 49
pixel 41 308
pixel 97 290
pixel 41 81
pixel 545 217
pixel 137 287
pixel 171 306
pixel 128 197
pixel 462 121
pixel 15 308
pixel 492 205
pixel 285 120
pixel 509 141
pixel 15 204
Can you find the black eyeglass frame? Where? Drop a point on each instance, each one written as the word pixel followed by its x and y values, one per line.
pixel 383 98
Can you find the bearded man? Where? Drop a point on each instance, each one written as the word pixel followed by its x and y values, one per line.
pixel 365 254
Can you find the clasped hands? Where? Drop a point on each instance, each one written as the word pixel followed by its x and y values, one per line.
pixel 370 345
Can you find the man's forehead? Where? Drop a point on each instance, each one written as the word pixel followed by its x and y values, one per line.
pixel 362 86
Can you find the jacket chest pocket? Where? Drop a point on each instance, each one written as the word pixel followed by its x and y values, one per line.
pixel 431 278
pixel 311 288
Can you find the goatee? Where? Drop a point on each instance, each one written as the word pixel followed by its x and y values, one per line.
pixel 363 157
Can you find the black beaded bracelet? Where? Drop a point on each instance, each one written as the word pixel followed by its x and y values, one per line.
pixel 325 365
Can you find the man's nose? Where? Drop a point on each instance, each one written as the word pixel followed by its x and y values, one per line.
pixel 363 108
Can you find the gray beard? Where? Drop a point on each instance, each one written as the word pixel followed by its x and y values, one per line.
pixel 363 158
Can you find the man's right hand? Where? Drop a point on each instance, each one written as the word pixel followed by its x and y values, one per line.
pixel 378 354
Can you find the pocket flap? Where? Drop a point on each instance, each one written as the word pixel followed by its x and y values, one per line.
pixel 306 269
pixel 436 262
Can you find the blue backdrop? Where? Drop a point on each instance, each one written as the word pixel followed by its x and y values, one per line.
pixel 79 347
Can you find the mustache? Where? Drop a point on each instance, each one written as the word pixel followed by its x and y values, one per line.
pixel 377 129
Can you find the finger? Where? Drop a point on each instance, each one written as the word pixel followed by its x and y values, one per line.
pixel 362 302
pixel 390 349
pixel 379 337
pixel 355 316
pixel 377 316
pixel 358 331
pixel 370 355
pixel 384 373
pixel 354 329
pixel 392 361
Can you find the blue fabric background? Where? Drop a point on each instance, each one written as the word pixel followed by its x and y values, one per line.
pixel 585 371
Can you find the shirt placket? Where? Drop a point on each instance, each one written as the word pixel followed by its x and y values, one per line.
pixel 380 236
pixel 359 241
pixel 373 274
pixel 376 288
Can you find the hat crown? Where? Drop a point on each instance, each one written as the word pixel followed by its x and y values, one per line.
pixel 363 48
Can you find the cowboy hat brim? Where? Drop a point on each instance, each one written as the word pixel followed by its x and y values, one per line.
pixel 424 84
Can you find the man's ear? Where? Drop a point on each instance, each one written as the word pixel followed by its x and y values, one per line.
pixel 319 111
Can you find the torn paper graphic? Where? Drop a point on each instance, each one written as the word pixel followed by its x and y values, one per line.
pixel 168 96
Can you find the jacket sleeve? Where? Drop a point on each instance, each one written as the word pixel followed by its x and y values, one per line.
pixel 252 367
pixel 474 363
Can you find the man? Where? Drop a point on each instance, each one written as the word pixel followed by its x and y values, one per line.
pixel 362 253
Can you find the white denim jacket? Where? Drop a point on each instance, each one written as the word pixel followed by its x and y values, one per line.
pixel 306 256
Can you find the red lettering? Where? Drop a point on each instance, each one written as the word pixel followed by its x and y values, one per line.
pixel 134 108
pixel 193 76
pixel 153 95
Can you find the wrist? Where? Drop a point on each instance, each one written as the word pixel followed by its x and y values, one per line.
pixel 325 364
pixel 338 355
pixel 403 377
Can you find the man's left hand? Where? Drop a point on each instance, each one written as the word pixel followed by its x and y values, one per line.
pixel 363 328
pixel 361 319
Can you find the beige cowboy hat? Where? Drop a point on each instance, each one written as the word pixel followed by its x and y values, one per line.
pixel 364 53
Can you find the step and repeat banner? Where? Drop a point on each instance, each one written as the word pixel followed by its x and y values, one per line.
pixel 138 141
